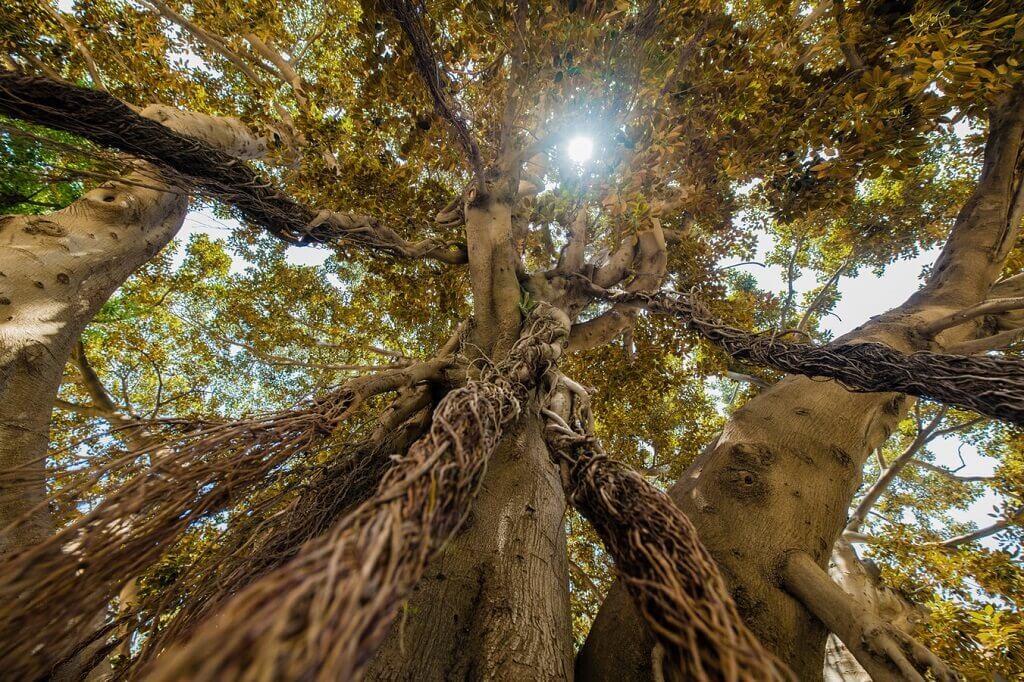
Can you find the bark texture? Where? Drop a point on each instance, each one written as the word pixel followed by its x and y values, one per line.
pixel 495 604
pixel 783 473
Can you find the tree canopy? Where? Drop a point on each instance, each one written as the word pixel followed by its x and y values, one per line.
pixel 834 139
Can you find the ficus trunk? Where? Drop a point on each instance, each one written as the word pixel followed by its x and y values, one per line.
pixel 781 477
pixel 495 604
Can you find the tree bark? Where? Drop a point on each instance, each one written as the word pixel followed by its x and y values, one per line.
pixel 56 271
pixel 784 471
pixel 494 605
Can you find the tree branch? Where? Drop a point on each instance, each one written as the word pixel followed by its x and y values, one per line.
pixel 76 40
pixel 989 307
pixel 819 298
pixel 426 61
pixel 989 222
pixel 215 43
pixel 853 59
pixel 992 386
pixel 893 470
pixel 946 473
pixel 107 121
pixel 885 651
pixel 979 534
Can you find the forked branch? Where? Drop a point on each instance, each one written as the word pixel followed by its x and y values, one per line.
pixel 886 652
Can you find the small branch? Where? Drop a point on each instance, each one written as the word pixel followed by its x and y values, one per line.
pixel 790 283
pixel 819 299
pixel 858 537
pixel 283 69
pixel 84 410
pixel 747 378
pixel 93 385
pixel 949 474
pixel 996 527
pixel 76 40
pixel 893 470
pixel 425 58
pixel 215 43
pixel 989 307
pixel 585 577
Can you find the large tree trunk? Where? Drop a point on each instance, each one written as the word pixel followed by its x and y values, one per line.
pixel 783 473
pixel 495 604
pixel 56 271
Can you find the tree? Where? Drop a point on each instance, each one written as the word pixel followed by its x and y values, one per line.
pixel 398 433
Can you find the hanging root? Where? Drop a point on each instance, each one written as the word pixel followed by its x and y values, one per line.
pixel 992 386
pixel 257 544
pixel 674 582
pixel 322 615
pixel 52 591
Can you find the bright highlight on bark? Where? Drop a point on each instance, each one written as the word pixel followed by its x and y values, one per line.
pixel 580 149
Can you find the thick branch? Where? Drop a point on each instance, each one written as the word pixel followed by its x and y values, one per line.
pixel 675 584
pixel 650 260
pixel 886 652
pixel 107 121
pixel 989 222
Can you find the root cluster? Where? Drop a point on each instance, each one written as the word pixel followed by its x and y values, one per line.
pixel 674 582
pixel 52 591
pixel 323 613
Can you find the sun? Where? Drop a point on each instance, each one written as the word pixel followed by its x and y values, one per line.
pixel 580 149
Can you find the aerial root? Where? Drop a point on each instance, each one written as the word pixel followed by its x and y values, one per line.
pixel 992 386
pixel 675 583
pixel 51 590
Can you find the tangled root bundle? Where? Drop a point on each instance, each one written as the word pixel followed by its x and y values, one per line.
pixel 989 385
pixel 260 543
pixel 322 615
pixel 674 582
pixel 51 591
